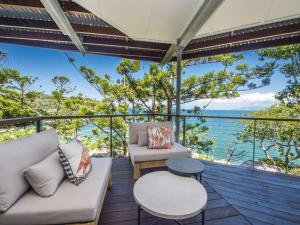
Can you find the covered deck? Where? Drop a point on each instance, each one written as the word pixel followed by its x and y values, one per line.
pixel 235 196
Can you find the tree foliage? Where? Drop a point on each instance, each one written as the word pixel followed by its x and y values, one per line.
pixel 279 141
pixel 134 90
pixel 287 61
pixel 154 91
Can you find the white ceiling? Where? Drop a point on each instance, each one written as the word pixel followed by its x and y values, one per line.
pixel 165 20
pixel 235 14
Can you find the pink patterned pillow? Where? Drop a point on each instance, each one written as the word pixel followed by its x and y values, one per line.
pixel 159 137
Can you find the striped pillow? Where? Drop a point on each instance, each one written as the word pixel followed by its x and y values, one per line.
pixel 76 161
pixel 159 137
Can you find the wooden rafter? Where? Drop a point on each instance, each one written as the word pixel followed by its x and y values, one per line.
pixel 50 25
pixel 294 39
pixel 246 34
pixel 90 40
pixel 104 50
pixel 67 6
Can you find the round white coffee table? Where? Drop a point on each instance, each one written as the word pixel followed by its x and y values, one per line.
pixel 168 196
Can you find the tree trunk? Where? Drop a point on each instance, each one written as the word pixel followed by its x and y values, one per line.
pixel 133 110
pixel 22 97
pixel 153 105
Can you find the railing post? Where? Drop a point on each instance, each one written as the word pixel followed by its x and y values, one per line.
pixel 184 123
pixel 125 144
pixel 110 137
pixel 254 145
pixel 38 126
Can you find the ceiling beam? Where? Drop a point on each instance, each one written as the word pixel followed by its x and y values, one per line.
pixel 49 25
pixel 91 40
pixel 199 19
pixel 243 46
pixel 59 17
pixel 103 50
pixel 67 6
pixel 258 32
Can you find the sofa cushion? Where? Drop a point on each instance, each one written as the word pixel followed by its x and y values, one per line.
pixel 45 176
pixel 143 139
pixel 15 157
pixel 134 129
pixel 76 160
pixel 142 154
pixel 69 204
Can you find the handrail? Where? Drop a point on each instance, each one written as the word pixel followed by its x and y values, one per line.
pixel 39 119
pixel 6 122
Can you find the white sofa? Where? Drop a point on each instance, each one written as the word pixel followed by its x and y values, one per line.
pixel 70 204
pixel 142 158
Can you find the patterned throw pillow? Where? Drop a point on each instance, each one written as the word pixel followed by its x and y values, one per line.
pixel 76 161
pixel 159 137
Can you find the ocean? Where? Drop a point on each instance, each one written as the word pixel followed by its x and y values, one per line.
pixel 224 133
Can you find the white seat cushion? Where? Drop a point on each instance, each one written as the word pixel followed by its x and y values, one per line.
pixel 69 204
pixel 143 154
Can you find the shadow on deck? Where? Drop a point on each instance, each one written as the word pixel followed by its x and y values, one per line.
pixel 235 196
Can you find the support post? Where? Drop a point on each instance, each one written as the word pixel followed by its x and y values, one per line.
pixel 178 89
pixel 184 128
pixel 254 145
pixel 38 126
pixel 110 137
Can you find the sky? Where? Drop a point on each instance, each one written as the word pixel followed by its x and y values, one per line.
pixel 47 63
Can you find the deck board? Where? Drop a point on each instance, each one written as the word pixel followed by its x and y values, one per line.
pixel 235 197
pixel 261 197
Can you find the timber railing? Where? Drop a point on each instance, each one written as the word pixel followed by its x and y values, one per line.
pixel 218 127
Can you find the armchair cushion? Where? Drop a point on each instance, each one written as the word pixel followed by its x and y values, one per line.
pixel 18 155
pixel 159 137
pixel 143 154
pixel 76 161
pixel 45 176
pixel 135 128
pixel 143 138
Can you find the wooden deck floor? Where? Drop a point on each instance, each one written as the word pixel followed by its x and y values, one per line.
pixel 235 196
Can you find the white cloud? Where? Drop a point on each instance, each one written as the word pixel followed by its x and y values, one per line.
pixel 252 101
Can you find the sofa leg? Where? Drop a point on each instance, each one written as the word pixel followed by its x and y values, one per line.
pixel 137 171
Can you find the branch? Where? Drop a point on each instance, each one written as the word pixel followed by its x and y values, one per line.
pixel 132 84
pixel 164 88
pixel 106 132
pixel 82 74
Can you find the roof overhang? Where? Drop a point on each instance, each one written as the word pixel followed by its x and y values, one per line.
pixel 146 29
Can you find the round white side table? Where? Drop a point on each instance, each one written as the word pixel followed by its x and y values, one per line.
pixel 168 196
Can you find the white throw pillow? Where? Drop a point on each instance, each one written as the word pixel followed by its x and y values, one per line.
pixel 76 161
pixel 45 176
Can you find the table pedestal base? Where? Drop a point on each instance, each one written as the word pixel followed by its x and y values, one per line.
pixel 157 221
